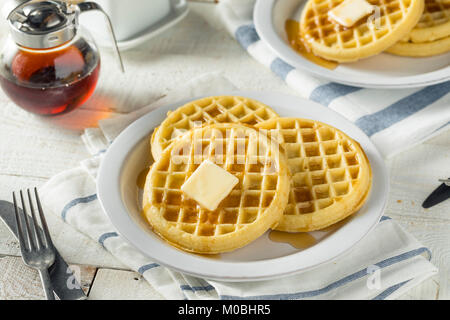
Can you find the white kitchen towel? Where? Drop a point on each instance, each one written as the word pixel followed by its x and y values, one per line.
pixel 384 265
pixel 394 119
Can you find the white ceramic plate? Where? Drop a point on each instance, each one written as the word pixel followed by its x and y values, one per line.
pixel 261 259
pixel 382 71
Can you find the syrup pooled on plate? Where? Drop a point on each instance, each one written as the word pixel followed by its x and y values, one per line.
pixel 300 240
pixel 140 181
pixel 293 33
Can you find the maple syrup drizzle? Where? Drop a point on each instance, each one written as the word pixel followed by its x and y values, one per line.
pixel 140 181
pixel 299 240
pixel 292 28
pixel 336 226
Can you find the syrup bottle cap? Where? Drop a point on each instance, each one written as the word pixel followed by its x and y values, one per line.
pixel 45 24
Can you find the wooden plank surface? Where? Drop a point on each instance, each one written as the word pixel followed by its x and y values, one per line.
pixel 112 284
pixel 33 149
pixel 414 174
pixel 20 282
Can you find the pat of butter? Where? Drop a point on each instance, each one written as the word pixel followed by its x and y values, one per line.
pixel 209 185
pixel 350 11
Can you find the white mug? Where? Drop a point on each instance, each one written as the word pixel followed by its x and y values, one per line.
pixel 129 17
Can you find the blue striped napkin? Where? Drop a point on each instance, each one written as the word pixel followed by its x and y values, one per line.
pixel 394 119
pixel 386 264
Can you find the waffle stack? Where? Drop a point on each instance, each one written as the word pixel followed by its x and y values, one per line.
pixel 289 174
pixel 431 35
pixel 369 36
pixel 402 27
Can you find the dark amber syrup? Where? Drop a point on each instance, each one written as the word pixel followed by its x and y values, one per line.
pixel 52 83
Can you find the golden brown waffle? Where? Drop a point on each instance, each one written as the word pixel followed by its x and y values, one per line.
pixel 331 176
pixel 424 49
pixel 255 204
pixel 218 109
pixel 367 37
pixel 434 24
pixel 431 36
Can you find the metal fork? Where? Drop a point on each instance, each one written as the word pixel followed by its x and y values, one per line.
pixel 36 245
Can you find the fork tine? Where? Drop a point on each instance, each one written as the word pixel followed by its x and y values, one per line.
pixel 47 237
pixel 37 233
pixel 22 242
pixel 27 224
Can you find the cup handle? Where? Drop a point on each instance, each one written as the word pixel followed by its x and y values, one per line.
pixel 89 6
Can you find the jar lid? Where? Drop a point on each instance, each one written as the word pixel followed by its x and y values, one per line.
pixel 44 24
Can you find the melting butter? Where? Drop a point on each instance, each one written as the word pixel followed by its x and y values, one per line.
pixel 292 28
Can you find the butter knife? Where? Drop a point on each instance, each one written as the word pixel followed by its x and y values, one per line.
pixel 65 285
pixel 441 193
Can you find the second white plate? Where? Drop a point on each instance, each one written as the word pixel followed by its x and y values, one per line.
pixel 129 155
pixel 384 71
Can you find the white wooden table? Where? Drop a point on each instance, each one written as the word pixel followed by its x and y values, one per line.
pixel 33 149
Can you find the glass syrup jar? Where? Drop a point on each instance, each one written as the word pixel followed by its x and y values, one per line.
pixel 49 64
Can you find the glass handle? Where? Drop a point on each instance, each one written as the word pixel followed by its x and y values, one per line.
pixel 89 6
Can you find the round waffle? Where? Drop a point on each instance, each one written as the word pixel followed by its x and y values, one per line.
pixel 331 176
pixel 218 109
pixel 431 36
pixel 424 49
pixel 434 24
pixel 367 37
pixel 254 205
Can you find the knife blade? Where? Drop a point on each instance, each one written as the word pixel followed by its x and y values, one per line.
pixel 441 193
pixel 65 285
